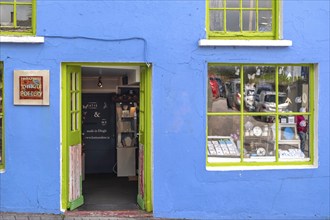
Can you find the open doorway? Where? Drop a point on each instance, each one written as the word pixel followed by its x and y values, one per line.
pixel 110 109
pixel 106 137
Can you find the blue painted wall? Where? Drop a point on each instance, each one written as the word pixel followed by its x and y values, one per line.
pixel 164 33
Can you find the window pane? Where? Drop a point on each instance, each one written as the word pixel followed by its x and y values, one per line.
pixel 265 3
pixel 293 137
pixel 216 4
pixel 1 140
pixel 264 81
pixel 72 81
pixel 293 80
pixel 233 4
pixel 249 20
pixel 259 140
pixel 6 15
pixel 249 3
pixel 1 88
pixel 73 102
pixel 73 123
pixel 265 21
pixel 223 141
pixel 233 20
pixel 24 16
pixel 250 80
pixel 224 88
pixel 77 121
pixel 24 1
pixel 216 20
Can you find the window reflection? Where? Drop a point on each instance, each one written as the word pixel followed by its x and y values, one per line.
pixel 272 102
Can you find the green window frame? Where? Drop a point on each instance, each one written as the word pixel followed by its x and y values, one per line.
pixel 17 17
pixel 265 132
pixel 2 148
pixel 242 19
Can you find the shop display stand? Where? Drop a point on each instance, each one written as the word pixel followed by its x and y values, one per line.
pixel 127 125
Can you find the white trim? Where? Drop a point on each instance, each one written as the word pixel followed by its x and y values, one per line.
pixel 25 39
pixel 244 43
pixel 242 168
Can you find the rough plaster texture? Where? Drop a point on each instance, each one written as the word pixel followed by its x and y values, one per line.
pixel 165 33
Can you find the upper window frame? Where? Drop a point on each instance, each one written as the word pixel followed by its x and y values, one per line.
pixel 244 35
pixel 14 31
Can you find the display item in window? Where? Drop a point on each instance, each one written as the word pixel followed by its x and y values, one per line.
pixel 302 129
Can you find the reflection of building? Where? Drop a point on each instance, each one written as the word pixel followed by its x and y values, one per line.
pixel 97 47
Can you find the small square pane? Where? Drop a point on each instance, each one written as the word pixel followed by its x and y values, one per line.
pixel 262 78
pixel 224 89
pixel 0 139
pixel 294 82
pixel 73 81
pixel 6 15
pixel 216 20
pixel 233 20
pixel 293 137
pixel 259 139
pixel 24 15
pixel 73 102
pixel 223 141
pixel 77 121
pixel 249 3
pixel 265 3
pixel 249 20
pixel 73 121
pixel 233 3
pixel 216 3
pixel 24 1
pixel 265 21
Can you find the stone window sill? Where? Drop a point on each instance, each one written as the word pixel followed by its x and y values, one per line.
pixel 244 43
pixel 23 39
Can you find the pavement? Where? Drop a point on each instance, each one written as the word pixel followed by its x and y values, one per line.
pixel 82 215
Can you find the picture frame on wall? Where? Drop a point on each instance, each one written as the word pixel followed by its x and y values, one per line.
pixel 31 87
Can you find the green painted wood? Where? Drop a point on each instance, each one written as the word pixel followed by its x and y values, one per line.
pixel 145 202
pixel 242 114
pixel 71 126
pixel 2 113
pixel 242 34
pixel 27 32
pixel 145 199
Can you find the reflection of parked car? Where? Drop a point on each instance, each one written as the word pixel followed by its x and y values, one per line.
pixel 267 103
pixel 249 99
pixel 233 94
pixel 222 90
pixel 214 86
pixel 258 90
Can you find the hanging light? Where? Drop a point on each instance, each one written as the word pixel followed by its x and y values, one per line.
pixel 99 83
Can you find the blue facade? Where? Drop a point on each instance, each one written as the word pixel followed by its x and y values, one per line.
pixel 166 34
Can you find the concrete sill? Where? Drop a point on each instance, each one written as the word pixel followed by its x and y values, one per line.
pixel 23 39
pixel 244 43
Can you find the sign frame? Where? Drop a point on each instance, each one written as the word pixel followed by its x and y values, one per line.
pixel 31 87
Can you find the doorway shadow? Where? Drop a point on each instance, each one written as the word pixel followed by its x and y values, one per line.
pixel 107 192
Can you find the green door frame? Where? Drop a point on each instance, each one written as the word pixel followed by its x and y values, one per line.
pixel 148 134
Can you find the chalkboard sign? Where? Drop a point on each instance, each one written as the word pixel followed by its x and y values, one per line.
pixel 98 129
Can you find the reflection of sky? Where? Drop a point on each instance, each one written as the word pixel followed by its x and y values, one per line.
pixel 23 13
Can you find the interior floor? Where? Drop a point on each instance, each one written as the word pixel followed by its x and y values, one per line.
pixel 107 192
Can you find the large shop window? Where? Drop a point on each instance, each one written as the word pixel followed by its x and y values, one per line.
pixel 17 17
pixel 242 19
pixel 2 152
pixel 260 115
